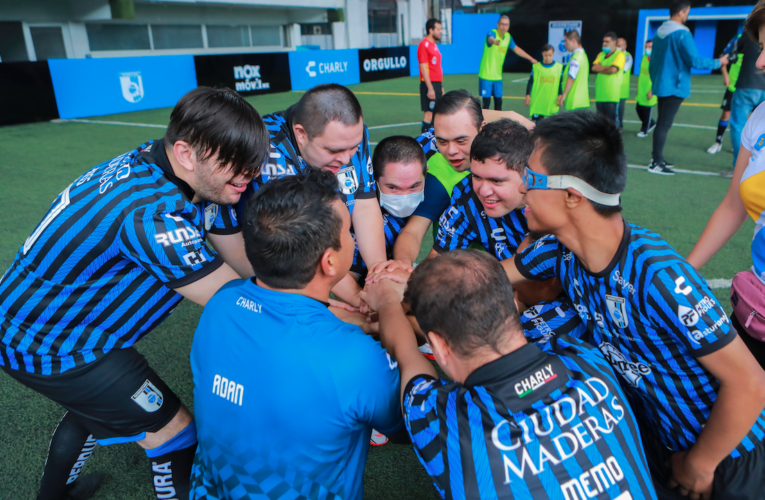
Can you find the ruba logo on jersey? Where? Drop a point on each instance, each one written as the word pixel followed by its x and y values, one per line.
pixel 632 372
pixel 348 180
pixel 617 309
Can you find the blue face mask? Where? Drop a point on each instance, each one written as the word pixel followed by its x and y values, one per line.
pixel 606 49
pixel 648 52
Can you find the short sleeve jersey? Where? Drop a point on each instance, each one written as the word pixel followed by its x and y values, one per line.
pixel 312 441
pixel 427 52
pixel 355 180
pixel 752 185
pixel 550 318
pixel 652 315
pixel 100 269
pixel 392 226
pixel 465 222
pixel 530 425
pixel 573 66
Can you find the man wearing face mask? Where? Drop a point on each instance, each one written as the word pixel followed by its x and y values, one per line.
pixel 609 65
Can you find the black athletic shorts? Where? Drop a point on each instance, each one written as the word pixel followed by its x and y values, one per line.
pixel 727 98
pixel 735 478
pixel 117 398
pixel 425 103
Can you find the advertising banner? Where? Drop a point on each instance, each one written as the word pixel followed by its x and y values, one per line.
pixel 555 32
pixel 381 64
pixel 90 87
pixel 27 93
pixel 309 68
pixel 248 74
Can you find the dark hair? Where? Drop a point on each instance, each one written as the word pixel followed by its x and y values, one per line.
pixel 506 139
pixel 504 16
pixel 677 6
pixel 431 25
pixel 323 104
pixel 573 35
pixel 588 146
pixel 455 101
pixel 547 47
pixel 611 35
pixel 219 121
pixel 754 21
pixel 290 223
pixel 466 298
pixel 397 149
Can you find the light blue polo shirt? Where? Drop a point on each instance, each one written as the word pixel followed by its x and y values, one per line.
pixel 285 397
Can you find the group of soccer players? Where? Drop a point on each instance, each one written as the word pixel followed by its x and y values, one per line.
pixel 585 357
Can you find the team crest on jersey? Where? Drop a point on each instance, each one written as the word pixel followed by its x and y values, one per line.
pixel 148 397
pixel 348 180
pixel 617 309
pixel 211 212
pixel 631 372
pixel 370 169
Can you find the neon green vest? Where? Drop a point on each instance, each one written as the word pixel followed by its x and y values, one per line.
pixel 493 58
pixel 544 90
pixel 608 87
pixel 441 169
pixel 734 71
pixel 625 94
pixel 579 94
pixel 645 85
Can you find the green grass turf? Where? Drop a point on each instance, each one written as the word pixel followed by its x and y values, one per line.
pixel 37 161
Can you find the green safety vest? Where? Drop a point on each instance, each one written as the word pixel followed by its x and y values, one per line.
pixel 645 85
pixel 608 87
pixel 440 168
pixel 627 73
pixel 579 94
pixel 544 90
pixel 734 71
pixel 493 58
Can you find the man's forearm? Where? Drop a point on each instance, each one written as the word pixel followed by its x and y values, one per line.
pixel 407 248
pixel 522 53
pixel 347 290
pixel 569 84
pixel 425 72
pixel 370 233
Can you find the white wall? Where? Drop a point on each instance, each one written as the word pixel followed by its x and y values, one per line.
pixel 357 23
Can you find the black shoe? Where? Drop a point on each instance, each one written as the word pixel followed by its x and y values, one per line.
pixel 659 168
pixel 667 164
pixel 84 488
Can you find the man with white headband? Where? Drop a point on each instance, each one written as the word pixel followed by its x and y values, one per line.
pixel 696 390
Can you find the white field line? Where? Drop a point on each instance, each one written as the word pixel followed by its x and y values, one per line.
pixel 719 283
pixel 684 125
pixel 102 122
pixel 377 127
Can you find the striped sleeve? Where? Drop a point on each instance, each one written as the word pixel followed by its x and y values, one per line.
pixel 551 318
pixel 367 186
pixel 226 222
pixel 168 245
pixel 427 142
pixel 539 261
pixel 454 230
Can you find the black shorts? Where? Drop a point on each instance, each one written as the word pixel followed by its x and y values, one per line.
pixel 735 478
pixel 727 98
pixel 117 398
pixel 425 103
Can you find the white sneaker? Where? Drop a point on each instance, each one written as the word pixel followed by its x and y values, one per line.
pixel 642 134
pixel 427 351
pixel 378 439
pixel 714 148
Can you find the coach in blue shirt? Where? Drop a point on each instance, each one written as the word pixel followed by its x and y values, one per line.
pixel 286 394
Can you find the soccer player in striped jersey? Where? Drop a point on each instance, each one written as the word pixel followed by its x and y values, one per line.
pixel 118 250
pixel 515 422
pixel 485 205
pixel 697 390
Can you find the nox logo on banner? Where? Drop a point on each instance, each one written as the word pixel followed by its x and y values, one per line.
pixel 248 74
pixel 381 64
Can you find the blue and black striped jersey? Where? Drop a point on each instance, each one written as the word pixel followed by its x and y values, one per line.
pixel 392 226
pixel 465 221
pixel 652 315
pixel 542 321
pixel 355 180
pixel 99 270
pixel 530 425
pixel 428 144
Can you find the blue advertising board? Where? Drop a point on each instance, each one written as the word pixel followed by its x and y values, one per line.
pixel 313 67
pixel 91 87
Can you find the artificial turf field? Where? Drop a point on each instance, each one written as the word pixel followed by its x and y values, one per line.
pixel 37 161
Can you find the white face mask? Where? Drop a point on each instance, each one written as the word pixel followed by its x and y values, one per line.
pixel 401 205
pixel 648 52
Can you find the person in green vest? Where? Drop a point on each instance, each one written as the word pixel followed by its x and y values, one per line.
pixel 544 85
pixel 621 44
pixel 495 48
pixel 609 65
pixel 645 98
pixel 576 92
pixel 730 76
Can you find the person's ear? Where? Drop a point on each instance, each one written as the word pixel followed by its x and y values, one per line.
pixel 441 350
pixel 185 155
pixel 328 263
pixel 300 134
pixel 573 198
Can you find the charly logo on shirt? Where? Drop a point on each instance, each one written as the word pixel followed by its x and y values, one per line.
pixel 631 372
pixel 617 309
pixel 534 381
pixel 348 180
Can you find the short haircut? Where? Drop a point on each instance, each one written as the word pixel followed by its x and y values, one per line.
pixel 573 35
pixel 326 103
pixel 219 121
pixel 431 25
pixel 397 149
pixel 504 16
pixel 677 6
pixel 289 224
pixel 585 145
pixel 547 47
pixel 504 139
pixel 754 21
pixel 611 35
pixel 455 101
pixel 465 297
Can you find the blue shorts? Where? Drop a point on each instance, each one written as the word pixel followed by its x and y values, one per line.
pixel 489 88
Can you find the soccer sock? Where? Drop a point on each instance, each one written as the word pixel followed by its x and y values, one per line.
pixel 497 104
pixel 721 126
pixel 171 465
pixel 486 102
pixel 426 126
pixel 69 449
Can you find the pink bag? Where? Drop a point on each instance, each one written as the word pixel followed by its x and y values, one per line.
pixel 747 294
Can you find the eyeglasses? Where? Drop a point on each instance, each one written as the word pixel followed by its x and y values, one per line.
pixel 535 180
